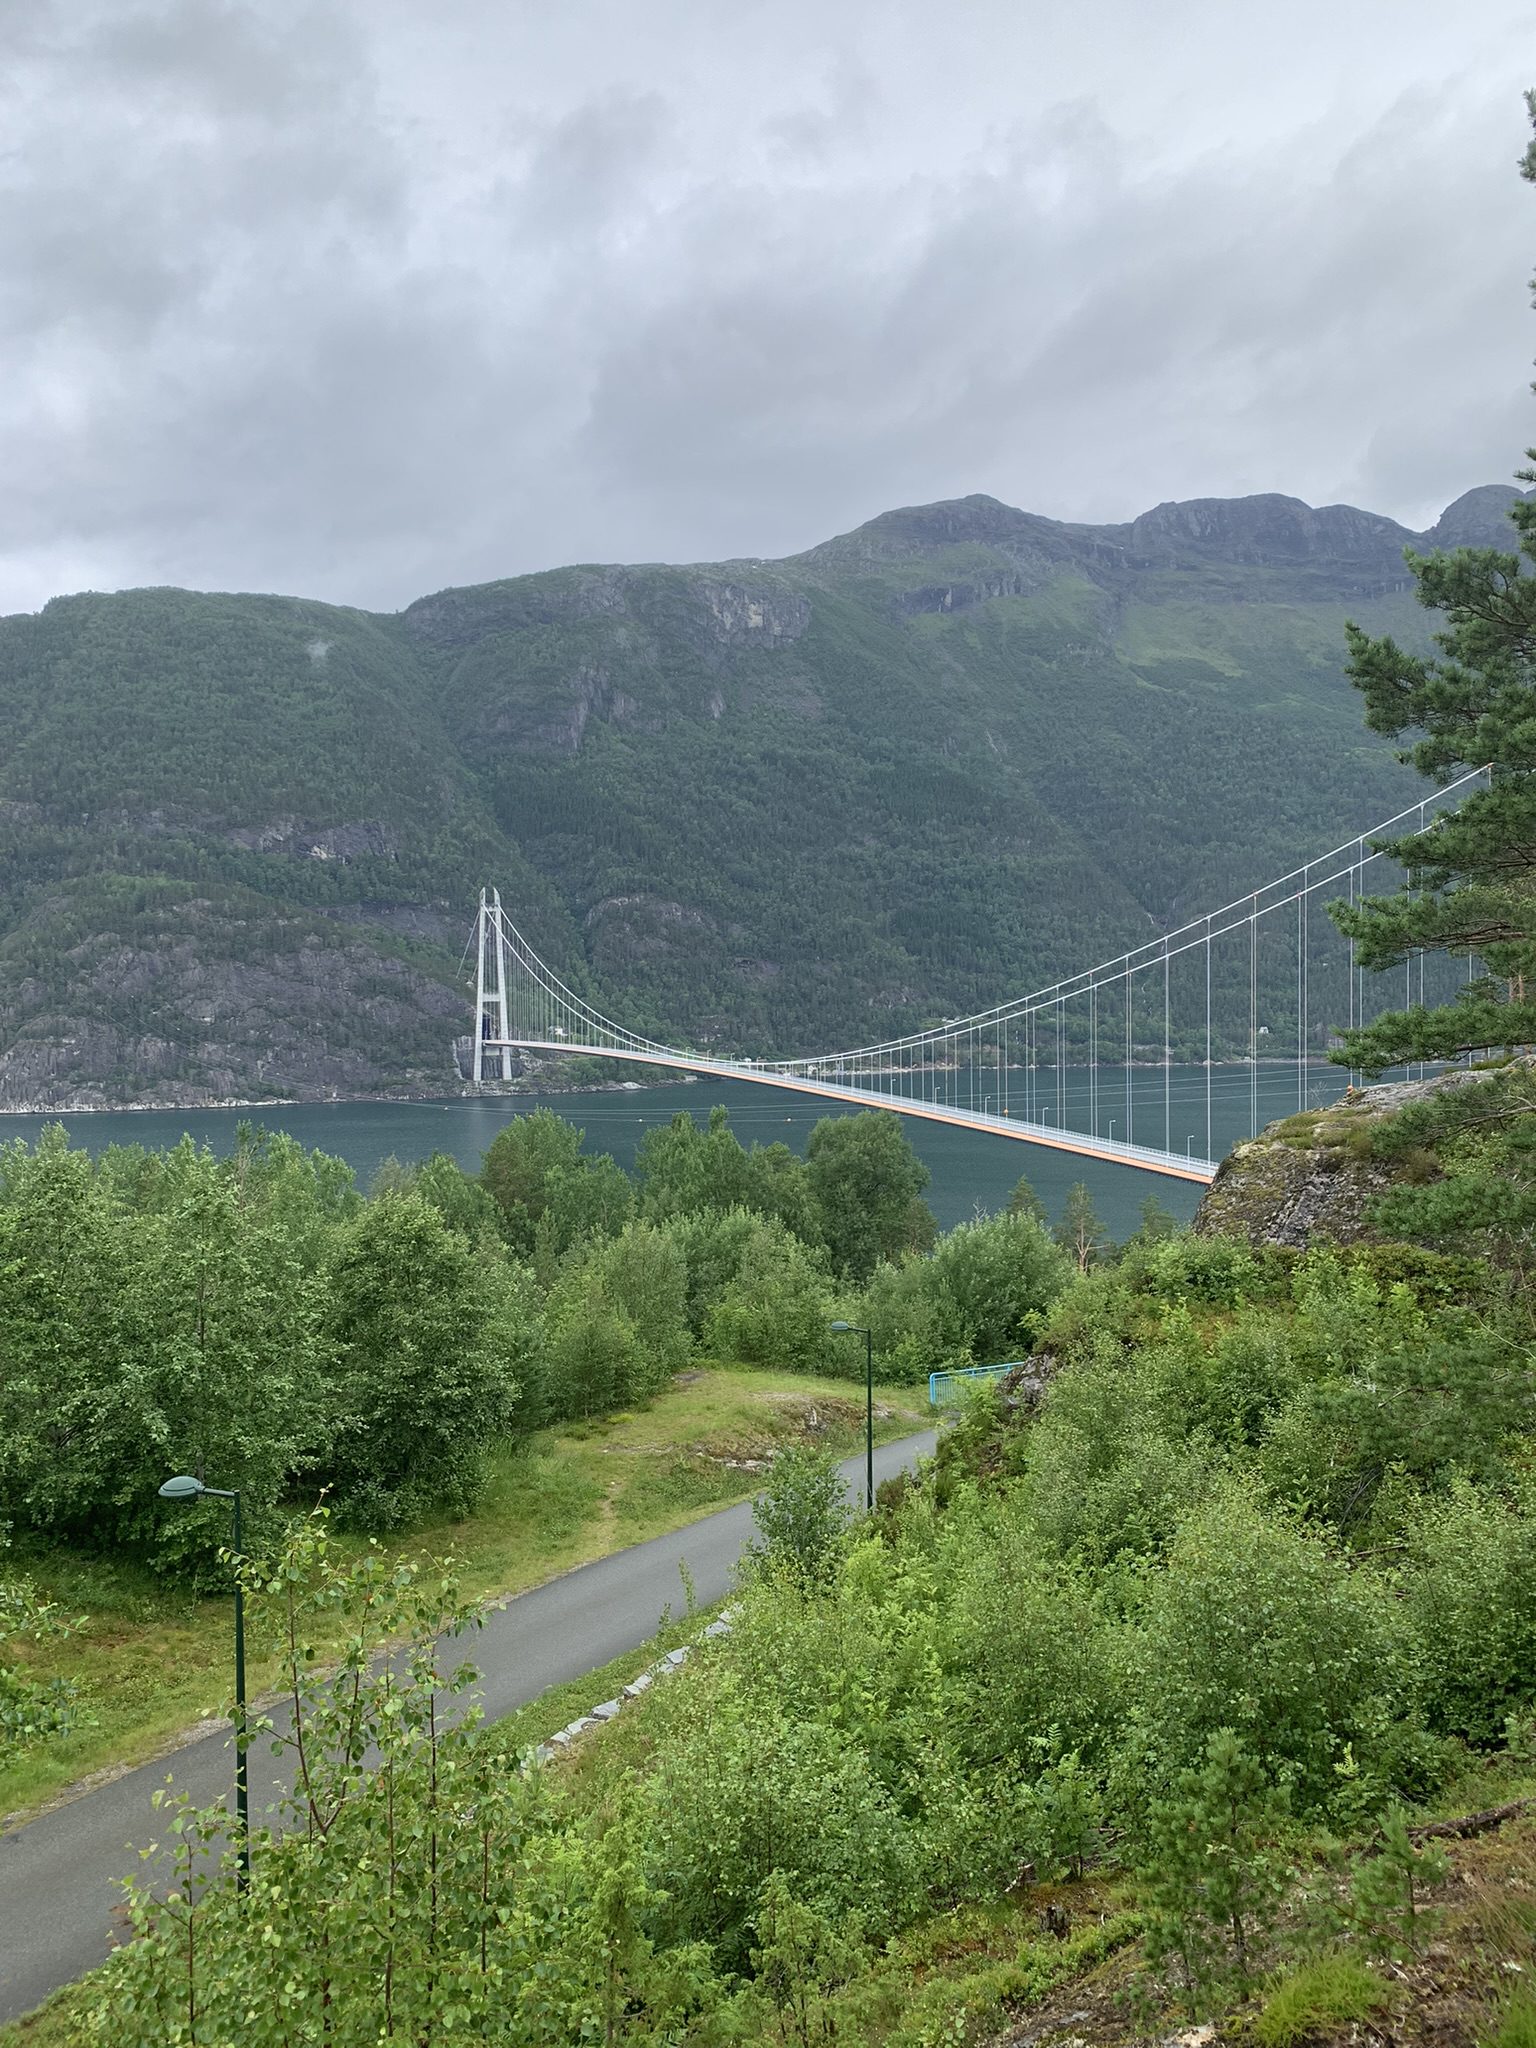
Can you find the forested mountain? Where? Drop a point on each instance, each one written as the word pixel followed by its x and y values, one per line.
pixel 759 805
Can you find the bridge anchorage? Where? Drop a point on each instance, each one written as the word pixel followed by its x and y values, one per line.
pixel 1158 1058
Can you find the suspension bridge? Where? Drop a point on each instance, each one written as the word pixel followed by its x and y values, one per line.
pixel 1085 1065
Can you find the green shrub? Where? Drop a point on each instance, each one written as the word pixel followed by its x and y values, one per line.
pixel 685 1171
pixel 1063 1818
pixel 1111 1466
pixel 800 1515
pixel 32 1710
pixel 179 1334
pixel 1384 1389
pixel 1385 1896
pixel 1435 1279
pixel 800 1956
pixel 1213 1877
pixel 979 1297
pixel 713 1244
pixel 1514 2024
pixel 867 1184
pixel 1222 1272
pixel 617 1317
pixel 517 1169
pixel 1469 1607
pixel 740 1791
pixel 989 1283
pixel 427 1357
pixel 1321 1998
pixel 1036 1663
pixel 594 1359
pixel 1254 1628
pixel 641 1274
pixel 905 1327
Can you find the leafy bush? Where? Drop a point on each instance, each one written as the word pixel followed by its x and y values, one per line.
pixel 979 1297
pixel 641 1274
pixel 1034 1657
pixel 713 1244
pixel 1112 1466
pixel 519 1167
pixel 1253 1628
pixel 801 1514
pixel 989 1282
pixel 1468 1585
pixel 801 1956
pixel 867 1184
pixel 183 1335
pixel 686 1171
pixel 617 1317
pixel 1223 1272
pixel 595 1361
pixel 740 1791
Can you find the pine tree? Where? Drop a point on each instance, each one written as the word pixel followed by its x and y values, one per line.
pixel 1214 1879
pixel 1471 886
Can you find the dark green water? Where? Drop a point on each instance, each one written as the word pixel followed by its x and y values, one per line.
pixel 969 1171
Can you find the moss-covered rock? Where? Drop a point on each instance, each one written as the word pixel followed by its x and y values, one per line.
pixel 1313 1177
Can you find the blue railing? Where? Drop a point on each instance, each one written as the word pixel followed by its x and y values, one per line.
pixel 948 1386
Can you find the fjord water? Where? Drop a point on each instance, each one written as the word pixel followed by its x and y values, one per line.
pixel 970 1171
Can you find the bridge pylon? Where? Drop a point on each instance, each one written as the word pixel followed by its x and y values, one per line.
pixel 491 1024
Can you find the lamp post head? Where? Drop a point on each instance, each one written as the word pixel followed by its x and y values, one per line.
pixel 840 1326
pixel 183 1487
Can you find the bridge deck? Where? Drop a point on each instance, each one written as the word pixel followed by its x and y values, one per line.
pixel 1054 1137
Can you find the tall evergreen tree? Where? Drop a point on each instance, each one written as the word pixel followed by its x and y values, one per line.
pixel 1471 888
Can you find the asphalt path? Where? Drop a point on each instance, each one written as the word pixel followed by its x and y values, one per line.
pixel 60 1875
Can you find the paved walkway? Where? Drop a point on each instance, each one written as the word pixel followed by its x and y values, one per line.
pixel 59 1874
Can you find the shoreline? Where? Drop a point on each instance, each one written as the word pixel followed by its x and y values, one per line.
pixel 501 1094
pixel 226 1102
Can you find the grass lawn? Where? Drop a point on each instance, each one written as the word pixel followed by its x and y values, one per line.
pixel 153 1662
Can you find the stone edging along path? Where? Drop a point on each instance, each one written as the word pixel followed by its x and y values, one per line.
pixel 609 1710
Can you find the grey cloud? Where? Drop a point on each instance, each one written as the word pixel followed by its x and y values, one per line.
pixel 1197 332
pixel 844 103
pixel 324 298
pixel 585 169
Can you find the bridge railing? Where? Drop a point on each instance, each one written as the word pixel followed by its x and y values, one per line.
pixel 945 1387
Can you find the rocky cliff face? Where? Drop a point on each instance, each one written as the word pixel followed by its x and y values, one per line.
pixel 1312 1178
pixel 179 1020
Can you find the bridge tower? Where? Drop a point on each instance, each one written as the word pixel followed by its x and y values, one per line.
pixel 490 992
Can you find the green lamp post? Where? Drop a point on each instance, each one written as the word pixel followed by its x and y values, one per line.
pixel 855 1330
pixel 184 1487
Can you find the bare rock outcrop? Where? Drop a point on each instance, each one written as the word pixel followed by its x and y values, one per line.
pixel 1314 1176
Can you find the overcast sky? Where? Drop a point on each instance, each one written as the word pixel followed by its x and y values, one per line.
pixel 358 300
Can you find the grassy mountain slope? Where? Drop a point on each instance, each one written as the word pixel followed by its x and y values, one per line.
pixel 764 805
